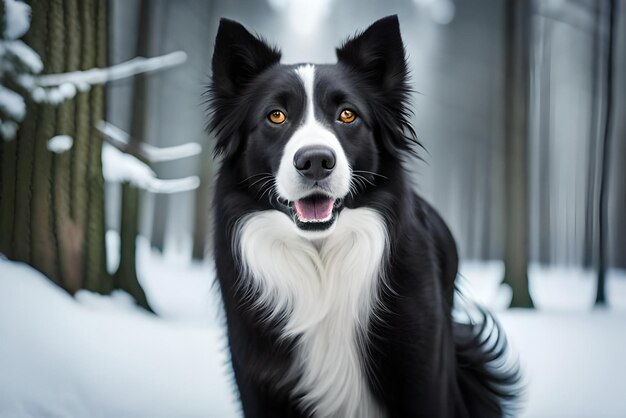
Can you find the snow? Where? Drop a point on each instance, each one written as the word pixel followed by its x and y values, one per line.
pixel 16 60
pixel 552 288
pixel 126 69
pixel 117 301
pixel 17 19
pixel 573 362
pixel 97 355
pixel 20 61
pixel 55 95
pixel 119 167
pixel 176 287
pixel 77 358
pixel 12 104
pixel 19 57
pixel 8 129
pixel 13 107
pixel 60 143
pixel 151 153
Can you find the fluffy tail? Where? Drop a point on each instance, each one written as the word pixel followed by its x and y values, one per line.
pixel 489 381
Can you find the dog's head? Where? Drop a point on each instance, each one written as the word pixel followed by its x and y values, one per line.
pixel 308 139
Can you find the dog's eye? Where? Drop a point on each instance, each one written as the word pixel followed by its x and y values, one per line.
pixel 347 116
pixel 277 117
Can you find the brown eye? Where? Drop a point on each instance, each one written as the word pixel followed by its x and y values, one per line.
pixel 347 116
pixel 277 117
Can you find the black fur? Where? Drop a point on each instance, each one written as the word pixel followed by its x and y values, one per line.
pixel 419 361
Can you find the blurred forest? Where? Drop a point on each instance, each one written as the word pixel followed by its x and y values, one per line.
pixel 519 106
pixel 458 70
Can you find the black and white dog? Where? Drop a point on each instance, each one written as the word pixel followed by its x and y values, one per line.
pixel 337 279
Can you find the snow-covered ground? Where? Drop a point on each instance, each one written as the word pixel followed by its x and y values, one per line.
pixel 102 357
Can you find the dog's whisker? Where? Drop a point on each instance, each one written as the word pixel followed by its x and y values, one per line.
pixel 263 187
pixel 367 181
pixel 253 176
pixel 353 188
pixel 371 173
pixel 267 189
pixel 361 177
pixel 273 193
pixel 361 182
pixel 260 180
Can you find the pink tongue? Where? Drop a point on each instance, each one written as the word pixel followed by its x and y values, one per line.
pixel 314 208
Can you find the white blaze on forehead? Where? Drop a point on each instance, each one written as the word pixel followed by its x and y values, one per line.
pixel 290 184
pixel 307 75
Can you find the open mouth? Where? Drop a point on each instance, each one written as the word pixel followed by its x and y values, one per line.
pixel 315 212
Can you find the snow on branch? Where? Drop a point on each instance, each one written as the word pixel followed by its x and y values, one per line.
pixel 60 143
pixel 119 167
pixel 12 104
pixel 16 58
pixel 22 66
pixel 137 65
pixel 147 151
pixel 54 88
pixel 16 19
pixel 126 69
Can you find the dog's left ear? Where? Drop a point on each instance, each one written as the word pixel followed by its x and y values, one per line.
pixel 377 57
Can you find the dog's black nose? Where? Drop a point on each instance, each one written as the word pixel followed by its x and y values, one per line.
pixel 314 162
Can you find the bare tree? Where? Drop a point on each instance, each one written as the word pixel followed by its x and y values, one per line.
pixel 126 274
pixel 606 152
pixel 202 220
pixel 517 90
pixel 590 242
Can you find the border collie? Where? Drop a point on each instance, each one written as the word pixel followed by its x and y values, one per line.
pixel 337 279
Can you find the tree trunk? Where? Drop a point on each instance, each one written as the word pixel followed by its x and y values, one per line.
pixel 126 274
pixel 545 253
pixel 517 68
pixel 51 205
pixel 604 173
pixel 590 243
pixel 202 212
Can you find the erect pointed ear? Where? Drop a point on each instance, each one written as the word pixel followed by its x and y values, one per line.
pixel 376 56
pixel 377 53
pixel 239 56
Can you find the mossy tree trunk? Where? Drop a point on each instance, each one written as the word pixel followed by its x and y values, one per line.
pixel 52 205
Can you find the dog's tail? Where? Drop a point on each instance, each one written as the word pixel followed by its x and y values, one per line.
pixel 488 378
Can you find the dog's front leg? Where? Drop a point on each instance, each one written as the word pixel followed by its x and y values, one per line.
pixel 262 399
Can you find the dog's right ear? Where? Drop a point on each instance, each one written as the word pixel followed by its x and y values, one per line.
pixel 238 57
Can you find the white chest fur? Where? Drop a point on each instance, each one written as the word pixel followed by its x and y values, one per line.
pixel 328 289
